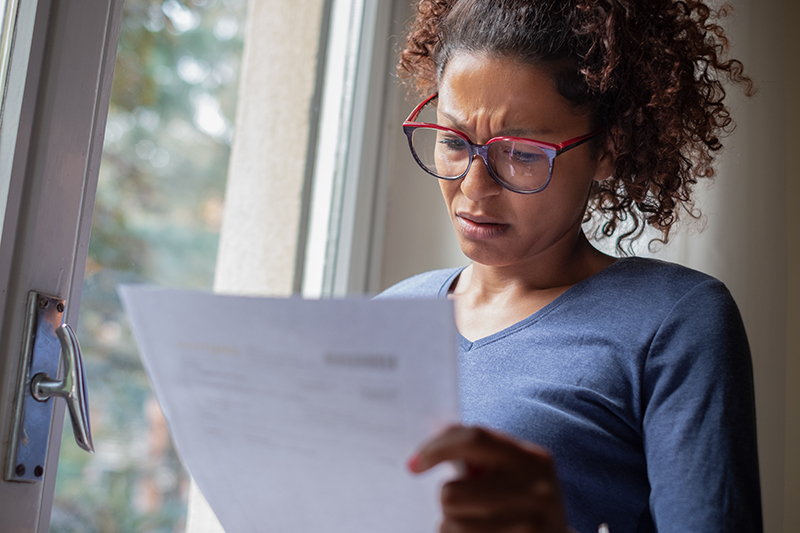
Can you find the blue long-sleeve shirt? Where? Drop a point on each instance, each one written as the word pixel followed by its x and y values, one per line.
pixel 639 380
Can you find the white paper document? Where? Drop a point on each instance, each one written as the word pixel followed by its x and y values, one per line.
pixel 299 416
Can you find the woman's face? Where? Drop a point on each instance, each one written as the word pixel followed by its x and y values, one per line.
pixel 486 97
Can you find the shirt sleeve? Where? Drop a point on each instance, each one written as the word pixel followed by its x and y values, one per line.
pixel 698 422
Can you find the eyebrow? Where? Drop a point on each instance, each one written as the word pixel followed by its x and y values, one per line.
pixel 530 133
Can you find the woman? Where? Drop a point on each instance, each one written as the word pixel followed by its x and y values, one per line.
pixel 594 389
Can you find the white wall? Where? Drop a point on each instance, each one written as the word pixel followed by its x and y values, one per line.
pixel 258 242
pixel 791 494
pixel 418 235
pixel 745 243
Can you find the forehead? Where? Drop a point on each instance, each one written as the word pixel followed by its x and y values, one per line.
pixel 480 91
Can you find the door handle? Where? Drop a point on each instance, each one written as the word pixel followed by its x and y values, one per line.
pixel 47 343
pixel 72 387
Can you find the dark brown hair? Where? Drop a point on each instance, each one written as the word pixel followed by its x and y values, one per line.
pixel 650 72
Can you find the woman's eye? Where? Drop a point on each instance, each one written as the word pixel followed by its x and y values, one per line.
pixel 525 157
pixel 453 143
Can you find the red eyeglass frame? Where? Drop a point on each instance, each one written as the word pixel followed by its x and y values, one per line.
pixel 552 150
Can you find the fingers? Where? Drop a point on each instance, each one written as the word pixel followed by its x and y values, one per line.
pixel 507 486
pixel 481 450
pixel 490 526
pixel 498 494
pixel 507 517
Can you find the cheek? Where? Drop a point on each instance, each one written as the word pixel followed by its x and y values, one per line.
pixel 449 189
pixel 563 201
pixel 571 183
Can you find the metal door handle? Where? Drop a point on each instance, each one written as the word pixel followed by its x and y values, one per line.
pixel 72 387
pixel 33 410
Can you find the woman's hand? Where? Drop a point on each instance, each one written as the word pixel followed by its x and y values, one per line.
pixel 506 486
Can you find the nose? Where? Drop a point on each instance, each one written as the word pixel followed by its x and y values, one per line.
pixel 478 183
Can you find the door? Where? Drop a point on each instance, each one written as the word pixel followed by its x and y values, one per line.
pixel 54 111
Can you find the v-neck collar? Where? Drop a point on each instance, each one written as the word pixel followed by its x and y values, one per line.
pixel 575 291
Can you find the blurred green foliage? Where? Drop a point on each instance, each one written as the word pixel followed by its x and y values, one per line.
pixel 156 220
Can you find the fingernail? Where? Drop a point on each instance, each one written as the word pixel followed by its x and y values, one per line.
pixel 413 463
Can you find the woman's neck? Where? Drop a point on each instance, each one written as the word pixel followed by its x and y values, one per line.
pixel 560 268
pixel 490 298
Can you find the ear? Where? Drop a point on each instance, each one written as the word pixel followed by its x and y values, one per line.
pixel 606 160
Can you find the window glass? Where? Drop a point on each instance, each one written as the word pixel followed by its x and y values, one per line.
pixel 6 29
pixel 156 220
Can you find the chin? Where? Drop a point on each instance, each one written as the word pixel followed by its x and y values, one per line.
pixel 485 255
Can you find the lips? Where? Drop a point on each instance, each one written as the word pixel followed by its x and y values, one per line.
pixel 480 227
pixel 478 219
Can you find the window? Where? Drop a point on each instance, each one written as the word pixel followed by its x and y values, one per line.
pixel 157 218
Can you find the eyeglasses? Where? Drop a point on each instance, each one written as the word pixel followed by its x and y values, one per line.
pixel 520 165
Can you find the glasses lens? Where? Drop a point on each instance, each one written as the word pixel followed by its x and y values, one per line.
pixel 443 153
pixel 522 166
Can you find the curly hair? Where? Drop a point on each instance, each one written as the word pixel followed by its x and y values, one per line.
pixel 650 72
